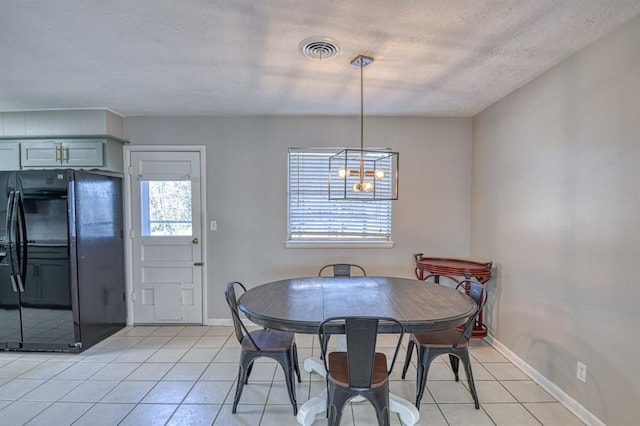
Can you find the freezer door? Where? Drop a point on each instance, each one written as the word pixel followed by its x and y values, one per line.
pixel 46 308
pixel 10 330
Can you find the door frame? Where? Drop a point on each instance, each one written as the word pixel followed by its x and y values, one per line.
pixel 128 246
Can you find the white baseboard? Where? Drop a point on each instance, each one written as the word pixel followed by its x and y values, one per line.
pixel 219 321
pixel 571 404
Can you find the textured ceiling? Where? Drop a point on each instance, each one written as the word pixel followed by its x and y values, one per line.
pixel 240 57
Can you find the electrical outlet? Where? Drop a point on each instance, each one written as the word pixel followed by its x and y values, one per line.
pixel 581 372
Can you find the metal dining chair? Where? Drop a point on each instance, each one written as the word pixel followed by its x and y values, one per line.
pixel 342 269
pixel 452 342
pixel 279 345
pixel 360 371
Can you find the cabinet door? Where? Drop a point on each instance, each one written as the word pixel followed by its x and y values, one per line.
pixel 40 154
pixel 9 155
pixel 62 154
pixel 82 154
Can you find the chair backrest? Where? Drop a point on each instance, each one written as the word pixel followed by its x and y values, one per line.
pixel 477 292
pixel 342 269
pixel 361 335
pixel 232 301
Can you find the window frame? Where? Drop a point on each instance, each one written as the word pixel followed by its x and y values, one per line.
pixel 334 241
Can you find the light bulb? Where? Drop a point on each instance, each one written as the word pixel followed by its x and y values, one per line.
pixel 379 173
pixel 342 172
pixel 368 186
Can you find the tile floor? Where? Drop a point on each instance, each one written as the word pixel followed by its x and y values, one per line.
pixel 178 375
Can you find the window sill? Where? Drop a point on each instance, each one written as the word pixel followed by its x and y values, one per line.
pixel 337 245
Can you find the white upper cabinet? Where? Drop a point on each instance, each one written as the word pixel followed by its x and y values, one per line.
pixel 52 153
pixel 9 155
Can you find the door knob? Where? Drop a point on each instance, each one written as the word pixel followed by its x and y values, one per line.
pixel 195 241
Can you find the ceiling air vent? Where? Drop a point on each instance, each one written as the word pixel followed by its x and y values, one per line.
pixel 319 48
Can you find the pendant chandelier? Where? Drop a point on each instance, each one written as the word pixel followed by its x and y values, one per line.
pixel 363 174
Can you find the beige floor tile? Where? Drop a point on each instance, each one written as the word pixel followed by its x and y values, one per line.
pixel 492 392
pixel 149 415
pixel 151 371
pixel 81 370
pixel 464 415
pixel 20 412
pixel 487 354
pixel 279 394
pixel 246 415
pixel 104 414
pixel 51 390
pixel 194 330
pixel 60 413
pixel 431 415
pixel 205 392
pixel 165 354
pixel 194 415
pixel 168 330
pixel 505 371
pixel 153 341
pixel 136 354
pixel 16 388
pixel 129 392
pixel 90 391
pixel 278 415
pixel 552 414
pixel 47 370
pixel 252 393
pixel 17 368
pixel 182 342
pixel 186 371
pixel 115 371
pixel 208 341
pixel 220 371
pixel 510 415
pixel 139 330
pixel 449 392
pixel 199 355
pixel 527 391
pixel 168 392
pixel 227 355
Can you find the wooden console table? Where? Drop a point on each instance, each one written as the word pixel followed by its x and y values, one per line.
pixel 452 268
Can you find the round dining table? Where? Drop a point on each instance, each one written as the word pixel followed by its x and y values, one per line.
pixel 301 304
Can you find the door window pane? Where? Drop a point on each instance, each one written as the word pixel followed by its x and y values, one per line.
pixel 166 207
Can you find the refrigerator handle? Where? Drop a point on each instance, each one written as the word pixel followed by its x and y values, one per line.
pixel 22 243
pixel 9 217
pixel 20 284
pixel 13 283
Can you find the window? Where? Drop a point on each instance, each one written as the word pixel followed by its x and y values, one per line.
pixel 166 207
pixel 315 219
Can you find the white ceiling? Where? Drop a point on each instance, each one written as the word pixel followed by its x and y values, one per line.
pixel 241 57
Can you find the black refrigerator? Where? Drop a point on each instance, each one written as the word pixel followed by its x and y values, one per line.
pixel 62 285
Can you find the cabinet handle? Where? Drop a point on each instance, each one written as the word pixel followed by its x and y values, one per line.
pixel 62 152
pixel 58 153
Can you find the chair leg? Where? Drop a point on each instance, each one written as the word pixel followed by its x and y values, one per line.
pixel 245 364
pixel 335 404
pixel 286 362
pixel 249 369
pixel 455 361
pixel 464 355
pixel 425 358
pixel 296 365
pixel 379 398
pixel 407 359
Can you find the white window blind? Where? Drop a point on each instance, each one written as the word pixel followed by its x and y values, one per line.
pixel 313 218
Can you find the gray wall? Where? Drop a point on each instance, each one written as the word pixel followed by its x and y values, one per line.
pixel 247 191
pixel 556 205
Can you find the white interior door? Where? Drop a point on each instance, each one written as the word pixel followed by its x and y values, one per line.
pixel 166 237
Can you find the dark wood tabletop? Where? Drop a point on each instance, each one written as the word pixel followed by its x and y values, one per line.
pixel 300 304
